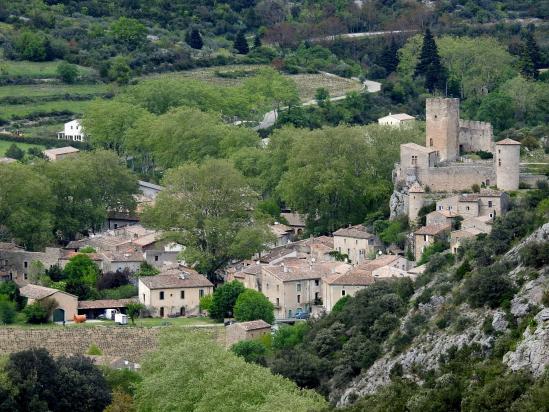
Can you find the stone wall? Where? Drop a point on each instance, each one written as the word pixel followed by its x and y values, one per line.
pixel 130 343
pixel 456 177
pixel 475 136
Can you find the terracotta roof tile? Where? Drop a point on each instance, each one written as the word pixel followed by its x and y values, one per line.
pixel 433 230
pixel 358 231
pixel 508 141
pixel 176 277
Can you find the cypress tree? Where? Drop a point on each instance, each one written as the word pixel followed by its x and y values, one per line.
pixel 389 57
pixel 257 41
pixel 533 50
pixel 527 66
pixel 240 43
pixel 195 40
pixel 430 66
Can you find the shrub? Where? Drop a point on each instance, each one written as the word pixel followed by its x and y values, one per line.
pixel 145 269
pixel 15 152
pixel 251 350
pixel 437 247
pixel 488 286
pixel 94 350
pixel 535 254
pixel 7 312
pixel 67 72
pixel 36 314
pixel 462 270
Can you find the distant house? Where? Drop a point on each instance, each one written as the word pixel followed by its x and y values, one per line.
pixel 457 236
pixel 72 131
pixel 283 234
pixel 67 304
pixel 396 120
pixel 357 243
pixel 295 221
pixel 488 202
pixel 427 235
pixel 60 153
pixel 176 291
pixel 246 330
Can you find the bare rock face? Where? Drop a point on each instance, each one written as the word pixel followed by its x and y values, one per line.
pixel 532 353
pixel 499 322
pixel 397 204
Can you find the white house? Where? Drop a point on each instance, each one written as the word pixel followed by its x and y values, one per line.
pixel 72 131
pixel 397 119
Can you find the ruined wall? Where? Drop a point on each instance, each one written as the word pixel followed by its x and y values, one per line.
pixel 442 127
pixel 130 343
pixel 475 136
pixel 456 177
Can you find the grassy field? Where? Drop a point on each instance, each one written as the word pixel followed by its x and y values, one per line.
pixel 4 144
pixel 307 84
pixel 23 110
pixel 37 70
pixel 45 89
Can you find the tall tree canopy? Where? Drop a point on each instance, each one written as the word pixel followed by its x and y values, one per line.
pixel 208 208
pixel 429 65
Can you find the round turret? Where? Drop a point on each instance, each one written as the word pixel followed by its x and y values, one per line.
pixel 507 164
pixel 415 201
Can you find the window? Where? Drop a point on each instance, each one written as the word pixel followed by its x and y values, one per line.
pixel 161 312
pixel 201 292
pixel 491 215
pixel 25 264
pixel 499 162
pixel 156 258
pixel 317 282
pixel 467 208
pixel 277 301
pixel 25 276
pixel 116 225
pixel 414 160
pixel 356 242
pixel 425 238
pixel 343 292
pixel 298 298
pixel 317 295
pixel 489 203
pixel 499 151
pixel 440 207
pixel 143 297
pixel 298 287
pixel 182 294
pixel 278 288
pixel 161 295
pixel 430 142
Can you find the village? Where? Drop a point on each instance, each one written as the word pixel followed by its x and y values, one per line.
pixel 446 197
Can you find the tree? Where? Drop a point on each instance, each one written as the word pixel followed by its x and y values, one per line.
pixel 134 310
pixel 257 41
pixel 195 39
pixel 240 43
pixel 82 274
pixel 7 311
pixel 15 152
pixel 26 205
pixel 120 70
pixel 31 46
pixel 389 57
pixel 252 351
pixel 129 31
pixel 527 67
pixel 67 72
pixel 208 208
pixel 533 50
pixel 322 96
pixel 429 65
pixel 224 299
pixel 253 305
pixel 175 375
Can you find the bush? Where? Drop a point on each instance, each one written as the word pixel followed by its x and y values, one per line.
pixel 36 314
pixel 112 280
pixel 67 72
pixel 7 312
pixel 535 254
pixel 123 380
pixel 251 350
pixel 94 350
pixel 15 152
pixel 488 286
pixel 253 305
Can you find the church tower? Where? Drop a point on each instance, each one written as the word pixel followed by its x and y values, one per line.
pixel 442 116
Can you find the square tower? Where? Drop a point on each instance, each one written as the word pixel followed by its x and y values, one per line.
pixel 442 116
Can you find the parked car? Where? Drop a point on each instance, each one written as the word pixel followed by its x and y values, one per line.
pixel 302 315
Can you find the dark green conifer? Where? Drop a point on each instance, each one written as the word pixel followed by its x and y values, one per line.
pixel 195 39
pixel 430 66
pixel 241 44
pixel 257 41
pixel 389 57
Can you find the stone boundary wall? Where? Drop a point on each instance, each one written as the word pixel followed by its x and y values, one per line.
pixel 456 177
pixel 475 136
pixel 130 343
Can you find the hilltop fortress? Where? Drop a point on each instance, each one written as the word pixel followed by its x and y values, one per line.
pixel 440 166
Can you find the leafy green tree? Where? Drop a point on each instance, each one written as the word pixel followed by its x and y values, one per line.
pixel 7 310
pixel 82 274
pixel 175 375
pixel 488 286
pixel 134 310
pixel 429 65
pixel 240 43
pixel 533 50
pixel 273 88
pixel 322 96
pixel 206 303
pixel 15 152
pixel 10 290
pixel 195 39
pixel 287 337
pixel 526 64
pixel 253 305
pixel 224 300
pixel 257 41
pixel 67 72
pixel 252 351
pixel 146 269
pixel 36 313
pixel 208 209
pixel 26 205
pixel 129 31
pixel 31 46
pixel 119 70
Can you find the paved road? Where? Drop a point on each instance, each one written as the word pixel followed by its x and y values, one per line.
pixel 362 34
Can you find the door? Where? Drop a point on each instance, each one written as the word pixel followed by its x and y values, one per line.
pixel 182 311
pixel 161 312
pixel 58 315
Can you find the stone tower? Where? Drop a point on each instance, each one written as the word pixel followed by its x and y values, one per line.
pixel 415 201
pixel 442 116
pixel 507 164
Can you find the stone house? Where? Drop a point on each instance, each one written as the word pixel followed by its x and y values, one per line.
pixel 66 304
pixel 488 202
pixel 72 131
pixel 357 243
pixel 397 120
pixel 16 262
pixel 176 291
pixel 254 329
pixel 427 235
pixel 60 153
pixel 248 275
pixel 457 236
pixel 295 221
pixel 482 223
pixel 283 234
pixel 441 217
pixel 295 285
